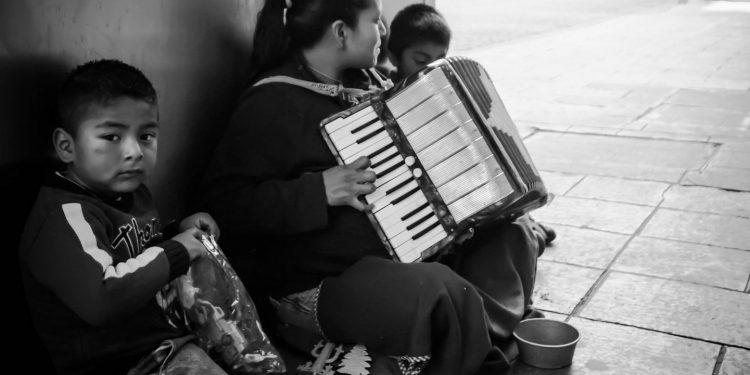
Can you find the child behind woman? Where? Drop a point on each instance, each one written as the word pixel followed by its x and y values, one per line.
pixel 419 35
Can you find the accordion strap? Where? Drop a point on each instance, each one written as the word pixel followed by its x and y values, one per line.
pixel 351 95
pixel 317 87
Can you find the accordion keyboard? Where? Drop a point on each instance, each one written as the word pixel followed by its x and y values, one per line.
pixel 401 208
pixel 450 149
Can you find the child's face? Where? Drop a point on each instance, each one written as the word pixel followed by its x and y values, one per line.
pixel 115 147
pixel 364 44
pixel 417 56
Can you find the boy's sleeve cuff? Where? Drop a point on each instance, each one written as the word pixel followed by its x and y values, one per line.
pixel 177 256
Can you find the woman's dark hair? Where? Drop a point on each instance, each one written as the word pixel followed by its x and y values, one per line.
pixel 417 23
pixel 306 22
pixel 99 82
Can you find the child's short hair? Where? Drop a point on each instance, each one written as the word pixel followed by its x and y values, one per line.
pixel 417 23
pixel 98 82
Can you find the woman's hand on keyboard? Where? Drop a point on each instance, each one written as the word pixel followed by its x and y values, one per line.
pixel 344 184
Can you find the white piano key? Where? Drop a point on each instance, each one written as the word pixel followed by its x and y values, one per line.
pixel 407 235
pixel 380 192
pixel 352 121
pixel 355 149
pixel 376 145
pixel 413 249
pixel 396 172
pixel 388 153
pixel 391 218
pixel 347 136
pixel 402 208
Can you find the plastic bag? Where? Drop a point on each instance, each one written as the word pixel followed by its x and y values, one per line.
pixel 220 312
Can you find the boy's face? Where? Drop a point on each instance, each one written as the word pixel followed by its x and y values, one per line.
pixel 114 150
pixel 417 56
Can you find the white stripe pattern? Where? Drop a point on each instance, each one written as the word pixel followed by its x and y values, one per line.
pixel 74 214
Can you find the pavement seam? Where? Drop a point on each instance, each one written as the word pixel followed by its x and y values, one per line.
pixel 657 104
pixel 608 269
pixel 694 243
pixel 720 344
pixel 747 286
pixel 743 291
pixel 720 360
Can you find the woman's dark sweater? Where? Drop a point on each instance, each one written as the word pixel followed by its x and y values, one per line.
pixel 265 189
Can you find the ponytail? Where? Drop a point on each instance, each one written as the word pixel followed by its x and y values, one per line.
pixel 271 44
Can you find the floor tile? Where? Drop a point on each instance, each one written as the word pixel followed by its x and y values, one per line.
pixel 709 200
pixel 702 264
pixel 724 178
pixel 685 309
pixel 698 130
pixel 587 213
pixel 701 228
pixel 584 247
pixel 634 158
pixel 717 98
pixel 736 362
pixel 606 348
pixel 559 183
pixel 620 190
pixel 732 158
pixel 559 287
pixel 689 114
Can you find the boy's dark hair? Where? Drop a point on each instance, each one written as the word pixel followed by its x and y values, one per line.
pixel 417 23
pixel 99 82
pixel 306 21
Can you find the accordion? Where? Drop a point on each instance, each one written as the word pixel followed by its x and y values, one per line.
pixel 447 157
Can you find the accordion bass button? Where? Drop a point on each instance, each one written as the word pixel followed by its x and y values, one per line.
pixel 409 160
pixel 417 173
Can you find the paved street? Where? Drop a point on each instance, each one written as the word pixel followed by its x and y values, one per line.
pixel 638 117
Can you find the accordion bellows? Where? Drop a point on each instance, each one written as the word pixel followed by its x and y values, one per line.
pixel 447 156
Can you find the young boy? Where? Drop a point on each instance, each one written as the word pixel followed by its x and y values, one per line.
pixel 93 257
pixel 419 35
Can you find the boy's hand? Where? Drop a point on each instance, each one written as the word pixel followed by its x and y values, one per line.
pixel 202 221
pixel 345 183
pixel 190 238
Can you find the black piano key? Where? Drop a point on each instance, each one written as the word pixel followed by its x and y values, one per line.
pixel 399 186
pixel 420 220
pixel 389 170
pixel 406 195
pixel 359 128
pixel 425 230
pixel 389 157
pixel 379 151
pixel 368 136
pixel 415 211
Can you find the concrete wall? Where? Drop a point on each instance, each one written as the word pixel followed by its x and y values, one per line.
pixel 194 51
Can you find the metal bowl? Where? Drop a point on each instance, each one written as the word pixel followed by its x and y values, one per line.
pixel 546 343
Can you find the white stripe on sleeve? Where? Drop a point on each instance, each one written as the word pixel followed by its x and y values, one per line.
pixel 74 214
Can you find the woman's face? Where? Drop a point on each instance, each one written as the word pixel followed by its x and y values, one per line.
pixel 363 46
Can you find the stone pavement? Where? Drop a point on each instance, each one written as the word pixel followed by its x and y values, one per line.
pixel 641 127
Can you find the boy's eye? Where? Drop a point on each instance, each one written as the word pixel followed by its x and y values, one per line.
pixel 111 137
pixel 147 137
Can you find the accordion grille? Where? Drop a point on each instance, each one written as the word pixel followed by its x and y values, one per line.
pixel 449 145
